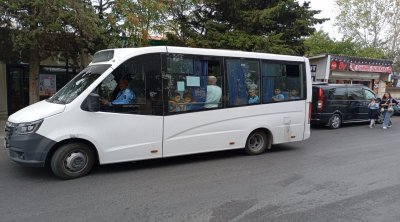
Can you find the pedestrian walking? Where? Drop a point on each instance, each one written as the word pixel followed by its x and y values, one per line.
pixel 373 112
pixel 387 104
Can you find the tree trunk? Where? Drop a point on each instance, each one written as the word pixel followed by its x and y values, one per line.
pixel 34 63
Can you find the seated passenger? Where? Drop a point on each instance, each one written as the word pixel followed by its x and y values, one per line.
pixel 294 94
pixel 253 98
pixel 124 96
pixel 174 103
pixel 187 99
pixel 278 96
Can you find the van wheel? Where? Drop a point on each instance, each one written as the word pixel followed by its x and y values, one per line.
pixel 380 118
pixel 256 143
pixel 72 160
pixel 335 121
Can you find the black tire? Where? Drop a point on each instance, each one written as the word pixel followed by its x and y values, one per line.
pixel 380 118
pixel 72 160
pixel 257 143
pixel 335 121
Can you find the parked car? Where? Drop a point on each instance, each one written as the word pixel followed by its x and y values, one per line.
pixel 335 104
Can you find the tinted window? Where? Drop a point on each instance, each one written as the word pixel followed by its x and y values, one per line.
pixel 243 77
pixel 368 94
pixel 192 83
pixel 339 93
pixel 283 81
pixel 134 87
pixel 355 93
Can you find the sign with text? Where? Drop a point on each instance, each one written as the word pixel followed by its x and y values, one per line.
pixel 47 85
pixel 370 68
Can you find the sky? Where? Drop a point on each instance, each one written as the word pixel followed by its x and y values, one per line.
pixel 328 10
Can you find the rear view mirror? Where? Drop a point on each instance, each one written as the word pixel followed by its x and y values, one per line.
pixel 91 103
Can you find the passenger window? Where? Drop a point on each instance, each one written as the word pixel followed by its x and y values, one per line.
pixel 283 82
pixel 133 87
pixel 192 83
pixel 355 94
pixel 369 95
pixel 243 82
pixel 337 93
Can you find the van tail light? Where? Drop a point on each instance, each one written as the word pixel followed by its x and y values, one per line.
pixel 320 103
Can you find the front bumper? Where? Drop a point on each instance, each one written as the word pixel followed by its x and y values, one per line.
pixel 29 149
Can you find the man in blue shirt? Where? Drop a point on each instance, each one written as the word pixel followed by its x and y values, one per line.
pixel 124 96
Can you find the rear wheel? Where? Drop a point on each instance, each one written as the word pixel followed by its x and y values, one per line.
pixel 380 118
pixel 257 143
pixel 335 121
pixel 72 160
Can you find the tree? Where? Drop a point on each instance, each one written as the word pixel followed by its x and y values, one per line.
pixel 42 28
pixel 365 21
pixel 177 21
pixel 276 26
pixel 320 43
pixel 138 19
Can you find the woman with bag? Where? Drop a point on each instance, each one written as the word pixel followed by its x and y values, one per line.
pixel 387 104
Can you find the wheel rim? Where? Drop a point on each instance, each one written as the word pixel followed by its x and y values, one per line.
pixel 256 142
pixel 335 121
pixel 76 161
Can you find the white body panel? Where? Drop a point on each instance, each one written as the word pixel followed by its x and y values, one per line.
pixel 117 137
pixel 229 128
pixel 36 111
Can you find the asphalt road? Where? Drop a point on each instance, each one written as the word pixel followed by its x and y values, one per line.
pixel 349 174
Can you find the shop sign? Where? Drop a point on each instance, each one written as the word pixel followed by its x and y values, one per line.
pixel 370 68
pixel 339 65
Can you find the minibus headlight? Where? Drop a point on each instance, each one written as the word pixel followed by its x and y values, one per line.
pixel 30 127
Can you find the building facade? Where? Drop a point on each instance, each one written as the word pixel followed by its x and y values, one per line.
pixel 373 73
pixel 14 83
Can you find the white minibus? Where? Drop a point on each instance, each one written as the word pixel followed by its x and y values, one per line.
pixel 152 102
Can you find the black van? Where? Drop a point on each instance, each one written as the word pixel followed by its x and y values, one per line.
pixel 334 104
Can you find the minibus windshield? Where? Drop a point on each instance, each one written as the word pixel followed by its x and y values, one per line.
pixel 78 84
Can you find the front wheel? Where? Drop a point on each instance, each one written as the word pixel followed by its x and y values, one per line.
pixel 335 121
pixel 256 143
pixel 72 160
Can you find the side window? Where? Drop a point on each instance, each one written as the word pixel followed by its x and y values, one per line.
pixel 283 81
pixel 339 93
pixel 355 93
pixel 369 95
pixel 243 78
pixel 134 87
pixel 192 83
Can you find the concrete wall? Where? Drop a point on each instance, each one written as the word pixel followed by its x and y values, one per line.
pixel 3 91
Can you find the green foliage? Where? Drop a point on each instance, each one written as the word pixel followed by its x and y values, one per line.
pixel 266 26
pixel 320 43
pixel 51 26
pixel 365 21
pixel 137 20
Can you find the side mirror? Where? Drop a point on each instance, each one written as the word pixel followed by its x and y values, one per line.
pixel 91 103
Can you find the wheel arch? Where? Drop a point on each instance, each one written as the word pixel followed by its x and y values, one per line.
pixel 71 140
pixel 267 132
